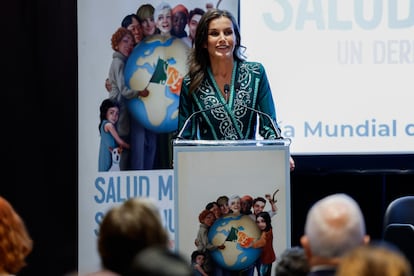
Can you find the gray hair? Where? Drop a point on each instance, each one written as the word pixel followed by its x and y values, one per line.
pixel 334 225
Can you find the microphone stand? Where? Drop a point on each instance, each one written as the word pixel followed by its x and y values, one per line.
pixel 275 128
pixel 187 121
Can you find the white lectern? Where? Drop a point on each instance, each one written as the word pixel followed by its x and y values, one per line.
pixel 205 170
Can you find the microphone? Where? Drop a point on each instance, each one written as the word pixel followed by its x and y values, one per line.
pixel 187 121
pixel 226 91
pixel 275 128
pixel 237 86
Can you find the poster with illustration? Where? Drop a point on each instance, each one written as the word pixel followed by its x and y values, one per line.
pixel 233 204
pixel 131 61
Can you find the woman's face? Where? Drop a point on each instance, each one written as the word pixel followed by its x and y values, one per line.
pixel 221 38
pixel 148 26
pixel 261 223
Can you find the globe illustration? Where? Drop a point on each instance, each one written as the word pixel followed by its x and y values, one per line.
pixel 236 233
pixel 157 64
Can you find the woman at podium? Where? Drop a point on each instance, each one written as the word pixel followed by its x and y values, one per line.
pixel 223 94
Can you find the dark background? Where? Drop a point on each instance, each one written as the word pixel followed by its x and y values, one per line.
pixel 40 142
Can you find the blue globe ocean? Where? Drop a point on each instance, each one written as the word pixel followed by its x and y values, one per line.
pixel 234 232
pixel 158 64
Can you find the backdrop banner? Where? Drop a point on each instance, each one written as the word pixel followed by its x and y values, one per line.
pixel 156 64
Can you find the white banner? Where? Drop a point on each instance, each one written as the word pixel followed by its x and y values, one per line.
pixel 340 71
pixel 99 191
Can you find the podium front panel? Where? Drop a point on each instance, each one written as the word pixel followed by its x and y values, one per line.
pixel 205 171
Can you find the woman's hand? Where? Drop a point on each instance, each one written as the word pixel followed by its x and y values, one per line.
pixel 291 163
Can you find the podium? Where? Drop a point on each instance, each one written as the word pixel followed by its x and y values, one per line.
pixel 207 169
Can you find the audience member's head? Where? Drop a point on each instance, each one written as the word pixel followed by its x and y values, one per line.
pixel 375 260
pixel 159 261
pixel 292 262
pixel 15 242
pixel 126 230
pixel 333 226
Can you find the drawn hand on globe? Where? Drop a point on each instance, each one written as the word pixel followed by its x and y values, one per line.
pixel 143 93
pixel 108 85
pixel 244 240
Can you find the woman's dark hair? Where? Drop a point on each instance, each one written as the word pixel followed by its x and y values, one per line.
pixel 199 59
pixel 211 205
pixel 128 20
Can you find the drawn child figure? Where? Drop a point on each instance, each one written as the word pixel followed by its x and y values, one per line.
pixel 267 256
pixel 109 115
pixel 163 18
pixel 197 263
